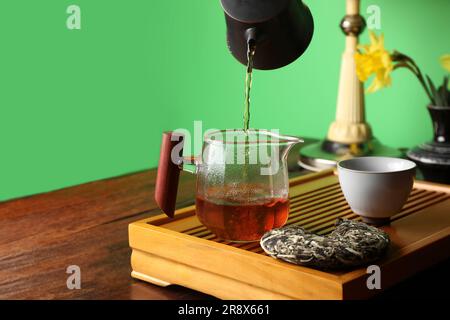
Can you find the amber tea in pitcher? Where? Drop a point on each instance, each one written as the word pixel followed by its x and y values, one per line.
pixel 242 183
pixel 245 213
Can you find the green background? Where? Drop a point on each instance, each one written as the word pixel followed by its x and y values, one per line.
pixel 82 105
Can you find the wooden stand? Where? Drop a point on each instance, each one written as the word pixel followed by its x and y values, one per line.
pixel 182 251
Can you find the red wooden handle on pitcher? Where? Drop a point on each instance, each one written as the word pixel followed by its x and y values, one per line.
pixel 170 160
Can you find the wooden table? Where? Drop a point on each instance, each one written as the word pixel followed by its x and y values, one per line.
pixel 86 225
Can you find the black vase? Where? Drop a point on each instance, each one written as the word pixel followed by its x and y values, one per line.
pixel 433 158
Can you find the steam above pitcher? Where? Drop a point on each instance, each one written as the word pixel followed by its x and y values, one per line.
pixel 281 30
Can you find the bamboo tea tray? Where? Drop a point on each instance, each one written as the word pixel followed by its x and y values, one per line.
pixel 181 251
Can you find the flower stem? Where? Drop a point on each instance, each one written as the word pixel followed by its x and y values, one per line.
pixel 409 63
pixel 421 78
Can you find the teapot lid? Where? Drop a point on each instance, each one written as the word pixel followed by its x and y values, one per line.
pixel 252 11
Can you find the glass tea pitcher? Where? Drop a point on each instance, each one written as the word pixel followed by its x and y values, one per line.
pixel 242 188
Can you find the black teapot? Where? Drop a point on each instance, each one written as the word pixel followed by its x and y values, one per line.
pixel 280 30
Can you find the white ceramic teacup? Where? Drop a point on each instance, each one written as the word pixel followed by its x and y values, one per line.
pixel 376 188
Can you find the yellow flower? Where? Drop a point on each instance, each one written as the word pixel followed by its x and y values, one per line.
pixel 445 61
pixel 374 59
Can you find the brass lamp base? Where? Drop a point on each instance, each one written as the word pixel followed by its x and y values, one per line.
pixel 326 154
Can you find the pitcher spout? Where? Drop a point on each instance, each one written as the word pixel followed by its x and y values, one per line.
pixel 287 143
